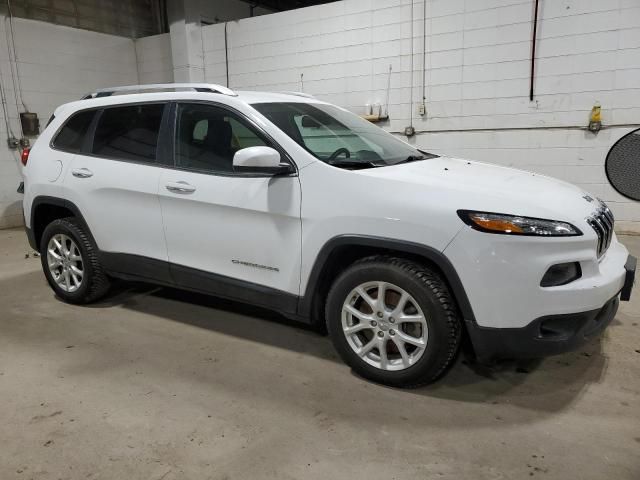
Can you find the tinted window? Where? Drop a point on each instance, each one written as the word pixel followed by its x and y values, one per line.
pixel 129 133
pixel 71 136
pixel 208 137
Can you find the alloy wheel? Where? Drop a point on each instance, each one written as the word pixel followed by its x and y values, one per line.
pixel 384 325
pixel 65 262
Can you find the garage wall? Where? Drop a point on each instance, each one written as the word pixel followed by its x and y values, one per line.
pixel 56 65
pixel 153 56
pixel 477 75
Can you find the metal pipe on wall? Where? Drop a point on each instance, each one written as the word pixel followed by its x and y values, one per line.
pixel 411 83
pixel 424 52
pixel 533 50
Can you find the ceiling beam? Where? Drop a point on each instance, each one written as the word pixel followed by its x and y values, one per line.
pixel 281 5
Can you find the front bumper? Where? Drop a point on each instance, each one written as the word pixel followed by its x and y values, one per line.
pixel 551 334
pixel 501 275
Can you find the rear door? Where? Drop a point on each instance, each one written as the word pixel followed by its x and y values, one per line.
pixel 237 235
pixel 114 183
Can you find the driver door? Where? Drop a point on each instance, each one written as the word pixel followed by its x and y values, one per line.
pixel 231 234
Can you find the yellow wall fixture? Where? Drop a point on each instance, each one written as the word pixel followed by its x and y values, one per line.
pixel 595 119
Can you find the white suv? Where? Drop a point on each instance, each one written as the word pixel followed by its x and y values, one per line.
pixel 290 203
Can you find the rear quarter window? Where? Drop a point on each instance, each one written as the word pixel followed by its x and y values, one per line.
pixel 72 134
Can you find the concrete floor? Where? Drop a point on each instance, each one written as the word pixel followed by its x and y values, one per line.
pixel 158 384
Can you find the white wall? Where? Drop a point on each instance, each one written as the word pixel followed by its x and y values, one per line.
pixel 185 20
pixel 477 75
pixel 153 56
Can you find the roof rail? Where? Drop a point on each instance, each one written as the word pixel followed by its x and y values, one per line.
pixel 199 87
pixel 299 94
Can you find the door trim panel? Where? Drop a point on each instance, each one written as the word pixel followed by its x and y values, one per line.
pixel 136 267
pixel 234 289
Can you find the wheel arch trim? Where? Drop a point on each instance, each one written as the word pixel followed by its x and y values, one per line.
pixel 58 202
pixel 439 259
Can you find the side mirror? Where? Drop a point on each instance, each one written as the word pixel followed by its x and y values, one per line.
pixel 259 160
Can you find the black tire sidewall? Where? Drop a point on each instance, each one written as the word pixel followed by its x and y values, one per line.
pixel 73 231
pixel 430 364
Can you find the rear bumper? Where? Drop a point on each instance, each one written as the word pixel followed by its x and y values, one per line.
pixel 551 334
pixel 31 238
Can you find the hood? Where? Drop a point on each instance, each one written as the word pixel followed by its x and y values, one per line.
pixel 481 186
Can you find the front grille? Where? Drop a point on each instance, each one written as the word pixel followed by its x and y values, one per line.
pixel 602 222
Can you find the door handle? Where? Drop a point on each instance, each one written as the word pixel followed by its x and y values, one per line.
pixel 180 187
pixel 82 172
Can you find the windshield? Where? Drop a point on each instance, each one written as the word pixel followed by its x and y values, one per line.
pixel 338 137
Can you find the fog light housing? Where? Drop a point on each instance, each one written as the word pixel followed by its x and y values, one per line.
pixel 561 274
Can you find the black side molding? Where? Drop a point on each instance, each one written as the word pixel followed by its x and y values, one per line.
pixel 135 267
pixel 160 272
pixel 234 289
pixel 431 254
pixel 20 188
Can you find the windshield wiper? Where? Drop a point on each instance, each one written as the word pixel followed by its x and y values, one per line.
pixel 352 164
pixel 415 158
pixel 411 158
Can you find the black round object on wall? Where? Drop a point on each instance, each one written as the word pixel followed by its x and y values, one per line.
pixel 623 165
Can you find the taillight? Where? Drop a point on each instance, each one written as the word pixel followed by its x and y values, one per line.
pixel 24 157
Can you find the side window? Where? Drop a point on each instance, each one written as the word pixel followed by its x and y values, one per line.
pixel 243 136
pixel 207 137
pixel 129 132
pixel 71 136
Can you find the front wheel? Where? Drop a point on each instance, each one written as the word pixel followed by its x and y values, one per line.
pixel 393 321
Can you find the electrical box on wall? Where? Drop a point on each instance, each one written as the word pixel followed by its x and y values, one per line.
pixel 30 124
pixel 13 143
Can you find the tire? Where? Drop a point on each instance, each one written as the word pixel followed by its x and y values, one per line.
pixel 430 343
pixel 81 257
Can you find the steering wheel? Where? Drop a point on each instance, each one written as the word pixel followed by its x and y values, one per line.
pixel 339 151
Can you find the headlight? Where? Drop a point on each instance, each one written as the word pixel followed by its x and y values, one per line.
pixel 517 225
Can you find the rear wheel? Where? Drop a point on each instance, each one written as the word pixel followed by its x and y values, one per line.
pixel 393 321
pixel 70 262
